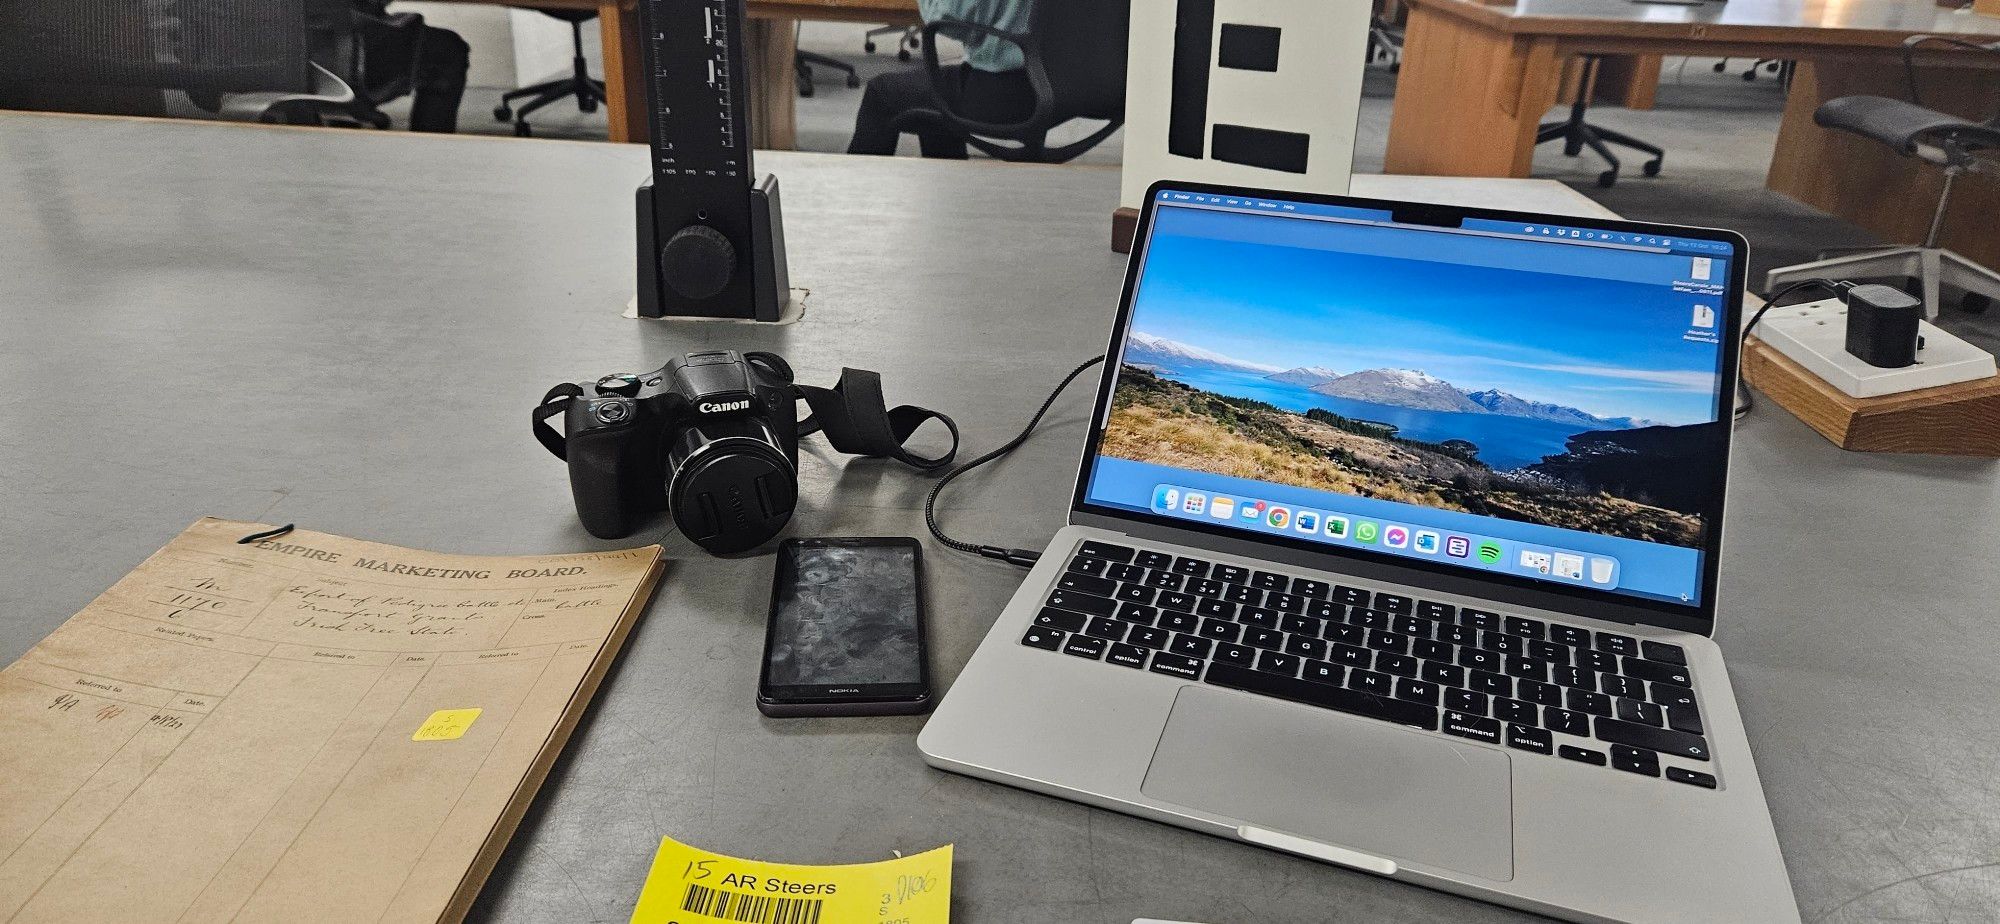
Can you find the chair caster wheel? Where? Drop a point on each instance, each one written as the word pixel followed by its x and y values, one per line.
pixel 1652 168
pixel 521 129
pixel 806 90
pixel 586 105
pixel 868 47
pixel 1606 179
pixel 1974 303
pixel 853 80
pixel 902 54
pixel 1572 150
pixel 503 113
pixel 1750 75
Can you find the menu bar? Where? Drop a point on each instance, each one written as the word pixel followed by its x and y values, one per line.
pixel 1330 527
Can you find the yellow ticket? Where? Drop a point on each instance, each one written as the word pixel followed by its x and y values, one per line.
pixel 689 885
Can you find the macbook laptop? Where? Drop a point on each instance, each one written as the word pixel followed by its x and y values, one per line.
pixel 1394 545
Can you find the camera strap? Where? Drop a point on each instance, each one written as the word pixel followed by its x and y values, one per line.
pixel 553 403
pixel 854 419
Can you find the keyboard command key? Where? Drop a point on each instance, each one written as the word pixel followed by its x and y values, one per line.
pixel 1466 725
pixel 1174 665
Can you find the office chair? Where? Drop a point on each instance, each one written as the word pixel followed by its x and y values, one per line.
pixel 589 91
pixel 1074 54
pixel 1577 133
pixel 248 59
pixel 1385 43
pixel 910 39
pixel 803 61
pixel 1945 141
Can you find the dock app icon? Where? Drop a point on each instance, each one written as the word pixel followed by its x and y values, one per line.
pixel 1166 499
pixel 1458 546
pixel 1396 537
pixel 1222 508
pixel 1336 527
pixel 1194 503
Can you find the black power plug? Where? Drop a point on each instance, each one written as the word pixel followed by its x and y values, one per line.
pixel 1882 325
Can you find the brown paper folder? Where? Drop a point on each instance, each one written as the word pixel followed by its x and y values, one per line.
pixel 283 731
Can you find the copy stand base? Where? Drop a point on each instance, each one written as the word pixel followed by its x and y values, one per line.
pixel 766 297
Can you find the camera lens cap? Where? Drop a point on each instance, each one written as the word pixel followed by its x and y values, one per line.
pixel 736 500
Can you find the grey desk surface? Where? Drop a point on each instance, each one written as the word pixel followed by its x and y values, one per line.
pixel 347 330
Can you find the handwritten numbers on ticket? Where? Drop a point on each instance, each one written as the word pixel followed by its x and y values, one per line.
pixel 689 885
pixel 445 724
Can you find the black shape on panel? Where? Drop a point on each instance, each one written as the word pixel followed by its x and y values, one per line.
pixel 1261 147
pixel 1248 48
pixel 1187 106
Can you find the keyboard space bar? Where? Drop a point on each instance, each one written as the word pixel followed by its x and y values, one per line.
pixel 1324 695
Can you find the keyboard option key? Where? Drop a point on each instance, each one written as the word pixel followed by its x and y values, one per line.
pixel 1529 738
pixel 1124 655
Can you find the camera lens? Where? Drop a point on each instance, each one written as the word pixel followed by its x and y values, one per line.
pixel 730 486
pixel 612 411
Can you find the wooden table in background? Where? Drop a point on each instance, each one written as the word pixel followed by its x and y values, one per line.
pixel 771 41
pixel 1477 79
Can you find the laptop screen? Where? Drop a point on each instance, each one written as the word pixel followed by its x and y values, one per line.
pixel 1505 396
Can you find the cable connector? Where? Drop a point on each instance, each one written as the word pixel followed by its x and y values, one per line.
pixel 1022 557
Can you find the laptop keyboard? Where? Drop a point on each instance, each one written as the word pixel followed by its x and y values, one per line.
pixel 1528 684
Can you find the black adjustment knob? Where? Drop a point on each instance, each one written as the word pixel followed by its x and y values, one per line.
pixel 697 262
pixel 620 383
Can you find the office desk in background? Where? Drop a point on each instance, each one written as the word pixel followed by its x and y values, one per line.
pixel 1857 610
pixel 1477 78
pixel 772 39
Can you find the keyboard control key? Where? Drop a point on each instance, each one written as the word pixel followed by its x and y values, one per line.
pixel 1109 629
pixel 1082 603
pixel 1193 567
pixel 1278 663
pixel 1045 639
pixel 1189 646
pixel 1324 695
pixel 1265 580
pixel 1305 646
pixel 1528 738
pixel 1394 603
pixel 1570 635
pixel 1322 672
pixel 1061 619
pixel 1617 644
pixel 1664 740
pixel 1179 622
pixel 1584 755
pixel 1176 666
pixel 1083 564
pixel 1635 760
pixel 1232 574
pixel 1442 612
pixel 1369 682
pixel 1095 586
pixel 1516 711
pixel 1471 726
pixel 1664 653
pixel 1310 589
pixel 1267 639
pixel 1154 560
pixel 1417 691
pixel 1633 710
pixel 1149 637
pixel 1567 722
pixel 1106 550
pixel 1691 777
pixel 1465 701
pixel 1083 647
pixel 1593 703
pixel 1239 655
pixel 1124 655
pixel 1521 625
pixel 1479 619
pixel 1657 673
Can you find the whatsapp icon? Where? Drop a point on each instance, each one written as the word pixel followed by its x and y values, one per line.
pixel 1366 531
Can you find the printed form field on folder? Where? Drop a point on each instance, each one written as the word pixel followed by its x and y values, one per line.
pixel 305 728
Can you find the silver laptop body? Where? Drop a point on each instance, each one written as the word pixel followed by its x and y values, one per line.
pixel 1368 756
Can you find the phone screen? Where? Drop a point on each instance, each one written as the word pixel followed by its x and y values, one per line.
pixel 845 613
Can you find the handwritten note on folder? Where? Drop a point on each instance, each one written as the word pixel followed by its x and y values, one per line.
pixel 689 885
pixel 309 728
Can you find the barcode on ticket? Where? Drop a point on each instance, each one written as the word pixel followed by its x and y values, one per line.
pixel 749 909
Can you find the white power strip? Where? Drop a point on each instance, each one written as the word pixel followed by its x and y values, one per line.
pixel 1814 335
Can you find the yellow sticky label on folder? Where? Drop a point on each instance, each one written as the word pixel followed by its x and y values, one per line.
pixel 445 724
pixel 689 885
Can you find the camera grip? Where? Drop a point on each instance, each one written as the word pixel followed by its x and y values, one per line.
pixel 596 485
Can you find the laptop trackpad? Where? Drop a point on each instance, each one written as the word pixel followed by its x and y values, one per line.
pixel 1338 779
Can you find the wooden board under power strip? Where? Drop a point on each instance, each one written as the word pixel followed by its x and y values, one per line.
pixel 1961 419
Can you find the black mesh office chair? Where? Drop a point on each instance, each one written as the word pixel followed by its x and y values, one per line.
pixel 1074 54
pixel 230 56
pixel 588 90
pixel 1940 139
pixel 1578 133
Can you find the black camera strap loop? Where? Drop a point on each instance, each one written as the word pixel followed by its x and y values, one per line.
pixel 553 403
pixel 852 416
